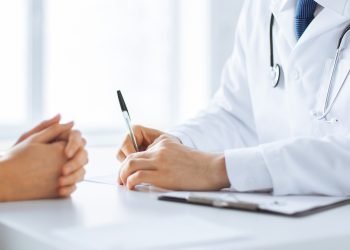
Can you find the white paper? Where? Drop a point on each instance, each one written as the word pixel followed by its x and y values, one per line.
pixel 104 179
pixel 172 232
pixel 281 204
pixel 112 180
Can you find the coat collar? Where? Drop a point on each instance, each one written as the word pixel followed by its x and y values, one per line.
pixel 334 14
pixel 342 7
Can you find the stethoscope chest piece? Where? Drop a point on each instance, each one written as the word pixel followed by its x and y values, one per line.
pixel 275 75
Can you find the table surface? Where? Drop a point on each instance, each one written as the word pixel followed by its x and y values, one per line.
pixel 31 224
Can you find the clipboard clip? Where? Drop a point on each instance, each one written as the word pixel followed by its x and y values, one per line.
pixel 219 203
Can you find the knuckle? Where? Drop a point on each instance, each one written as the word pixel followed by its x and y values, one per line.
pixel 163 137
pixel 130 183
pixel 139 175
pixel 163 141
pixel 131 164
pixel 130 157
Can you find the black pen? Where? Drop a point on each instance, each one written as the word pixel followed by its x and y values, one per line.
pixel 127 119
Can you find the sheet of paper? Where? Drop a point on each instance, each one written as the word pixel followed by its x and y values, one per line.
pixel 281 204
pixel 104 179
pixel 177 231
pixel 112 180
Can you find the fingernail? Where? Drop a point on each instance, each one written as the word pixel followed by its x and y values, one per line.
pixel 68 125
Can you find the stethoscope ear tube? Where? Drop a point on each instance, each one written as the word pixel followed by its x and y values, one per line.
pixel 347 29
pixel 271 40
pixel 275 75
pixel 275 68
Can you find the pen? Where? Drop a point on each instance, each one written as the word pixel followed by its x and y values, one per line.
pixel 127 119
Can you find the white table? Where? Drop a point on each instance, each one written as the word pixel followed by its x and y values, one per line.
pixel 30 224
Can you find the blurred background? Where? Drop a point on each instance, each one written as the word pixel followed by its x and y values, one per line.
pixel 70 56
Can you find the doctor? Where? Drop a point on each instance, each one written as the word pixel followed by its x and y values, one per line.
pixel 279 122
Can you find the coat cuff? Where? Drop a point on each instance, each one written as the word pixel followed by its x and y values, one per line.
pixel 247 170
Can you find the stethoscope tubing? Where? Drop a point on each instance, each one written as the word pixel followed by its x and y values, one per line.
pixel 328 103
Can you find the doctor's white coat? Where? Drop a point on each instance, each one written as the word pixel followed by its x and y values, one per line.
pixel 269 137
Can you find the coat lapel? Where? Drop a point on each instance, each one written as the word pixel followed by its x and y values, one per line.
pixel 325 21
pixel 335 14
pixel 284 10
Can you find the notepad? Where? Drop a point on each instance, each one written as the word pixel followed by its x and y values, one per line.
pixel 176 232
pixel 284 205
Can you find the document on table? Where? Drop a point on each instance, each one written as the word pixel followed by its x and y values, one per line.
pixel 112 180
pixel 103 179
pixel 171 232
pixel 284 205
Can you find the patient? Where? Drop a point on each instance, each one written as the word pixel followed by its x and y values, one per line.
pixel 45 162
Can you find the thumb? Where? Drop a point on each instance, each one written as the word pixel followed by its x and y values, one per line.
pixel 52 133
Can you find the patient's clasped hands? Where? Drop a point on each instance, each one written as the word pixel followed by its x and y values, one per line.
pixel 46 162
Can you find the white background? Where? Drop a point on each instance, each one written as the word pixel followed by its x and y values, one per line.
pixel 70 56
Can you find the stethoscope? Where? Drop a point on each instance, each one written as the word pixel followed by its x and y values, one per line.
pixel 276 71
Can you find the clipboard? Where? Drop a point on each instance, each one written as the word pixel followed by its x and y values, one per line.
pixel 293 206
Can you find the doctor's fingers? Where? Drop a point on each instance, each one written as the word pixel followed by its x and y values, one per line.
pixel 157 140
pixel 126 148
pixel 131 166
pixel 144 137
pixel 139 177
pixel 119 179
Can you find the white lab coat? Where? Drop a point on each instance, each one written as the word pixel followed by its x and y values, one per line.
pixel 270 139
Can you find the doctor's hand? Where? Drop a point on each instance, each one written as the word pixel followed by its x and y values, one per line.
pixel 144 138
pixel 32 168
pixel 169 164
